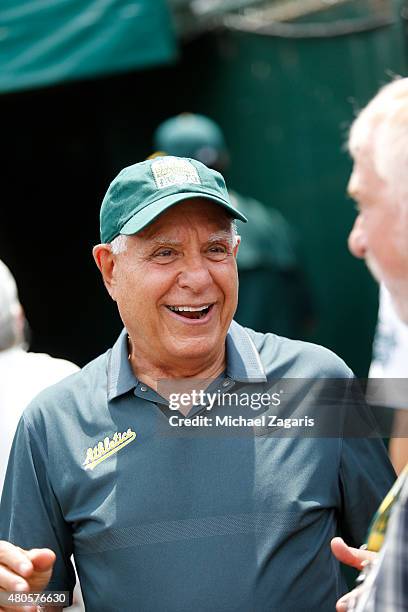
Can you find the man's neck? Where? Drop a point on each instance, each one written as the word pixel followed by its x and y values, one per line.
pixel 195 374
pixel 150 373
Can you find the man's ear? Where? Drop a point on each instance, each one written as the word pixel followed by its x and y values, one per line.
pixel 105 260
pixel 236 246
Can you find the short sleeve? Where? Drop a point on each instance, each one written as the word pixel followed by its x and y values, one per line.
pixel 30 515
pixel 366 475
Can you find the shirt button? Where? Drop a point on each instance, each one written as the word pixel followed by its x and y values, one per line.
pixel 143 388
pixel 226 383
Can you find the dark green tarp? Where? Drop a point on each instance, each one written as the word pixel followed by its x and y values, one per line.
pixel 43 42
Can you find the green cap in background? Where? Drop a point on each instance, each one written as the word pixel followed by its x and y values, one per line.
pixel 140 193
pixel 191 135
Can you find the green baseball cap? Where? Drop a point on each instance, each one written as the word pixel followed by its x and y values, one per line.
pixel 142 192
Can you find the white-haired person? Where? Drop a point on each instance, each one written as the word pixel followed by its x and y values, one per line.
pixel 23 374
pixel 378 144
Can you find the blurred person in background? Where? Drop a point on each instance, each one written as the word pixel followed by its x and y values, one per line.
pixel 378 144
pixel 390 360
pixel 22 374
pixel 273 292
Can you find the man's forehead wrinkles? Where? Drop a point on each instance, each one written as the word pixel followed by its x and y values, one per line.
pixel 161 238
pixel 171 240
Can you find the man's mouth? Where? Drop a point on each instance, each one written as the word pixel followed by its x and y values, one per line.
pixel 191 312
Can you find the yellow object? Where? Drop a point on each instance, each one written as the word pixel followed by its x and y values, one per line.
pixel 379 524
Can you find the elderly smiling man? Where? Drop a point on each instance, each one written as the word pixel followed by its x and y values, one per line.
pixel 175 519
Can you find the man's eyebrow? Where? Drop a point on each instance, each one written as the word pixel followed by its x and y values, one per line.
pixel 352 189
pixel 221 235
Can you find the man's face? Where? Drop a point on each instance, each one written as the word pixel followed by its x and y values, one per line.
pixel 380 232
pixel 176 285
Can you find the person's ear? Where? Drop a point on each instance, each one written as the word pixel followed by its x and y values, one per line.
pixel 105 260
pixel 236 246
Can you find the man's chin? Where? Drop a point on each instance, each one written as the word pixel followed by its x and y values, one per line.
pixel 374 270
pixel 399 298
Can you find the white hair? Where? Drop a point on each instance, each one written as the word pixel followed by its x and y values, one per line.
pixel 10 309
pixel 234 232
pixel 119 244
pixel 384 123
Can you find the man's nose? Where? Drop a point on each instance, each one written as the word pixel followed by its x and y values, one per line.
pixel 356 239
pixel 195 275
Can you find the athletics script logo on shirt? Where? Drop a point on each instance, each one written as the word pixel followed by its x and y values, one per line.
pixel 107 448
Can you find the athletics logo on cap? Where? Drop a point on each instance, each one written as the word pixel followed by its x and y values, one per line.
pixel 169 171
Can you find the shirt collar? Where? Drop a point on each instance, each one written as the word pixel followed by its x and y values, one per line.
pixel 243 362
pixel 121 378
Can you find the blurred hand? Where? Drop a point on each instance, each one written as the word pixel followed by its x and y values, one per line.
pixel 24 570
pixel 343 603
pixel 354 557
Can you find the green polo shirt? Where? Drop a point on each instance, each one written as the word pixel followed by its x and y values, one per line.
pixel 174 519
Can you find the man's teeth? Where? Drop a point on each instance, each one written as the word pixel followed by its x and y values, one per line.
pixel 188 308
